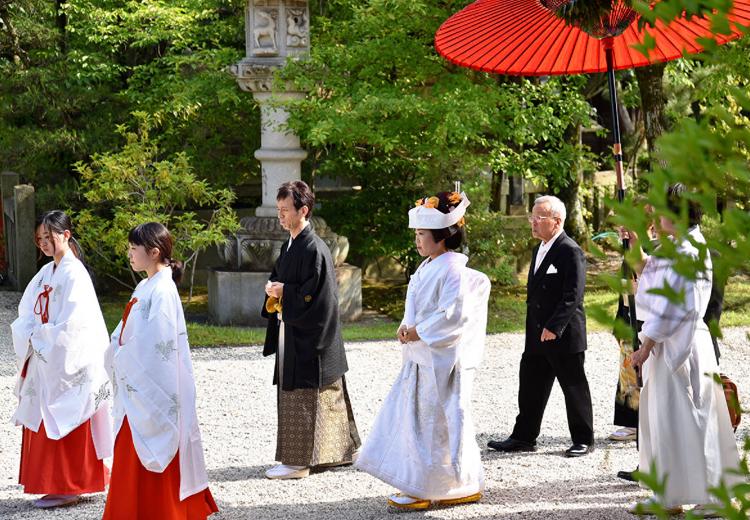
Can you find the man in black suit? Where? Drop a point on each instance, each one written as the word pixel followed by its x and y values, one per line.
pixel 555 335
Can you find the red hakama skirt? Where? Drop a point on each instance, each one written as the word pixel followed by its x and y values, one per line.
pixel 137 493
pixel 68 466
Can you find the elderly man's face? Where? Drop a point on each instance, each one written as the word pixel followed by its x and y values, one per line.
pixel 543 224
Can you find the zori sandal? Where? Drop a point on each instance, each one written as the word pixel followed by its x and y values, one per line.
pixel 403 501
pixel 476 497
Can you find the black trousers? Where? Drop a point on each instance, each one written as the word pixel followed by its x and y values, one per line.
pixel 537 374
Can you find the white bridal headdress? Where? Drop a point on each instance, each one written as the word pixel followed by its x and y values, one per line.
pixel 426 215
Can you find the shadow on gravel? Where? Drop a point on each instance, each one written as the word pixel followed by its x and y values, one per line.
pixel 242 352
pixel 376 508
pixel 359 508
pixel 240 473
pixel 89 506
pixel 237 473
pixel 548 445
pixel 588 491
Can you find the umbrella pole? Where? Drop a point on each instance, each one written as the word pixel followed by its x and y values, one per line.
pixel 617 145
pixel 627 274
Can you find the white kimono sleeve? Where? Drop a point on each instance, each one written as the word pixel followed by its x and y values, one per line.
pixel 477 293
pixel 409 309
pixel 673 323
pixel 23 326
pixel 443 326
pixel 55 339
pixel 147 371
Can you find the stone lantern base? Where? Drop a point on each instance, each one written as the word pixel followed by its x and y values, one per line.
pixel 236 291
pixel 236 297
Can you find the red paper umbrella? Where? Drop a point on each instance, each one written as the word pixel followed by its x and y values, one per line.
pixel 528 38
pixel 525 38
pixel 550 37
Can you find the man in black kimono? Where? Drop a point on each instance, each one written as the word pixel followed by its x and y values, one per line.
pixel 315 422
pixel 555 335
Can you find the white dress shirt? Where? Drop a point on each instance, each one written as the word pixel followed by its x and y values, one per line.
pixel 544 249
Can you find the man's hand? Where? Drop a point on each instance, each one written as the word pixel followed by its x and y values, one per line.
pixel 411 334
pixel 548 335
pixel 402 333
pixel 639 357
pixel 405 335
pixel 275 289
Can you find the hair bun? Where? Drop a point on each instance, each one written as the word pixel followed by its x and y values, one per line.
pixel 177 269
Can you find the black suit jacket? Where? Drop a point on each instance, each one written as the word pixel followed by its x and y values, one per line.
pixel 554 301
pixel 314 354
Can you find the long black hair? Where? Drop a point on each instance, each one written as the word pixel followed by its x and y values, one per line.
pixel 154 235
pixel 57 221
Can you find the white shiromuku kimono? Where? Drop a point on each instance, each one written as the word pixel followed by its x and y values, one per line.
pixel 423 440
pixel 152 376
pixel 685 429
pixel 66 381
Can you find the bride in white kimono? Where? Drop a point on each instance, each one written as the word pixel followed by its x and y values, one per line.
pixel 685 431
pixel 423 440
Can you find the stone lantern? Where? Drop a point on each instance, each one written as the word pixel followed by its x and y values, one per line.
pixel 275 31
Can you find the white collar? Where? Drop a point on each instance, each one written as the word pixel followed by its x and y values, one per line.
pixel 546 245
pixel 291 238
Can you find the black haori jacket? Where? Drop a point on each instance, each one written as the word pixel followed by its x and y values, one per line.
pixel 554 299
pixel 314 353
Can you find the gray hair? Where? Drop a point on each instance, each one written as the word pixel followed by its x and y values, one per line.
pixel 556 206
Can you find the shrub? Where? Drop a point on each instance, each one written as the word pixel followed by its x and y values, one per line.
pixel 497 244
pixel 135 185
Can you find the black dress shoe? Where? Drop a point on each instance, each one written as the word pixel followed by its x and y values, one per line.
pixel 579 450
pixel 511 444
pixel 627 475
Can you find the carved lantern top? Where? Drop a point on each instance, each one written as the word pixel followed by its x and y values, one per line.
pixel 276 29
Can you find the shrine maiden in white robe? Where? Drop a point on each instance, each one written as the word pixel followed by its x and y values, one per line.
pixel 66 381
pixel 423 440
pixel 684 422
pixel 154 384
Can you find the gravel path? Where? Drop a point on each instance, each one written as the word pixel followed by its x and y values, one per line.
pixel 236 407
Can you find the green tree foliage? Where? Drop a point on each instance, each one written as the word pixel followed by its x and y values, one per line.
pixel 135 185
pixel 74 71
pixel 708 152
pixel 389 114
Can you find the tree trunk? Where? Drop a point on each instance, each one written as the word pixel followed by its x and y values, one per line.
pixel 575 225
pixel 62 25
pixel 18 56
pixel 653 102
pixel 626 122
pixel 496 195
pixel 516 195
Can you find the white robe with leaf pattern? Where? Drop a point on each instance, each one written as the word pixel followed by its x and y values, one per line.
pixel 66 381
pixel 154 384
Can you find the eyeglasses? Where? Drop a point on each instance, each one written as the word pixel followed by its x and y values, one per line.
pixel 537 218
